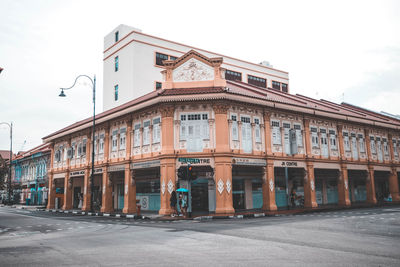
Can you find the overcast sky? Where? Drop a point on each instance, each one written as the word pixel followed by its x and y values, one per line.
pixel 336 50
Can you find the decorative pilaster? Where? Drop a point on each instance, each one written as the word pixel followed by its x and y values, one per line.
pixel 343 186
pixel 107 144
pixel 222 128
pixel 341 142
pixel 268 188
pixel 267 133
pixel 368 144
pixel 167 129
pixel 67 192
pixel 107 205
pixel 128 142
pixel 307 138
pixel 309 187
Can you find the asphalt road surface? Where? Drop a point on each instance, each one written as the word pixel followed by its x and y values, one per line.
pixel 358 237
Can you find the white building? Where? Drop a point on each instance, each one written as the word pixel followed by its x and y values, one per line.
pixel 133 62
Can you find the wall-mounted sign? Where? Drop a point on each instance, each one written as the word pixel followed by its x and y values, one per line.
pixel 290 164
pixel 196 161
pixel 77 173
pixel 98 170
pixel 145 164
pixel 59 175
pixel 249 162
pixel 116 168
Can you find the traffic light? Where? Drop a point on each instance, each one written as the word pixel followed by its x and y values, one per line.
pixel 182 173
pixel 191 175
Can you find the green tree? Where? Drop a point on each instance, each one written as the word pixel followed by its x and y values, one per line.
pixel 3 172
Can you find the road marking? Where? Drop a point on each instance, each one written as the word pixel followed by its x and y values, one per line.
pixel 48 230
pixel 59 229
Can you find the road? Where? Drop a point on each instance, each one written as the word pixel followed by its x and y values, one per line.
pixel 358 237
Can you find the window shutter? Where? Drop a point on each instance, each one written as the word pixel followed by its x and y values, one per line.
pixel 235 134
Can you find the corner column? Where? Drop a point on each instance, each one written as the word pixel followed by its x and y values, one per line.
pixel 309 187
pixel 370 184
pixel 107 192
pixel 223 182
pixel 394 185
pixel 130 191
pixel 167 184
pixel 268 188
pixel 67 192
pixel 343 186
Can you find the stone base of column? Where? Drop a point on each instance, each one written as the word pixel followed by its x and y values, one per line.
pixel 346 203
pixel 270 207
pixel 167 211
pixel 311 205
pixel 224 211
pixel 372 201
pixel 129 210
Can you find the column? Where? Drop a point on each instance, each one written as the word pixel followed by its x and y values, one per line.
pixel 390 144
pixel 67 192
pixel 106 144
pixel 343 186
pixel 370 184
pixel 267 135
pixel 268 188
pixel 87 193
pixel 167 184
pixel 107 205
pixel 51 198
pixel 368 144
pixel 128 142
pixel 130 191
pixel 309 187
pixel 167 129
pixel 223 182
pixel 394 185
pixel 342 155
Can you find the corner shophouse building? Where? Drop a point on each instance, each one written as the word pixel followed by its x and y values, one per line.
pixel 249 146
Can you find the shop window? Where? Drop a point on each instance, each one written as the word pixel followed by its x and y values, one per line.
pixel 276 85
pixel 276 133
pixel 116 63
pixel 346 141
pixel 235 130
pixel 284 87
pixel 233 75
pixel 136 135
pixel 146 133
pixel 314 137
pixel 257 81
pixel 372 145
pixel 299 135
pixel 116 92
pixel 194 129
pixel 156 130
pixel 257 131
pixel 122 139
pixel 161 57
pixel 101 144
pixel 114 140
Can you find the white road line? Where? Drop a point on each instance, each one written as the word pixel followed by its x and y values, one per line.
pixel 59 229
pixel 48 230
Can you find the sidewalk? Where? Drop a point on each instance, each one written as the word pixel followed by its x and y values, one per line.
pixel 153 215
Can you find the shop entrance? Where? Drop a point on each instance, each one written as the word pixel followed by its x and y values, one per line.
pixel 289 187
pixel 381 185
pixel 247 187
pixel 326 186
pixel 199 194
pixel 77 197
pixel 148 188
pixel 357 185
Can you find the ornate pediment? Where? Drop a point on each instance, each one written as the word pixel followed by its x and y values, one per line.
pixel 193 70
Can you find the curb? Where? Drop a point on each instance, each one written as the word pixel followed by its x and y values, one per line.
pixel 99 214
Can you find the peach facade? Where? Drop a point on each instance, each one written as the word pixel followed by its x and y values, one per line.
pixel 251 148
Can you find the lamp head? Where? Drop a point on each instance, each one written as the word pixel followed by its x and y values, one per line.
pixel 62 93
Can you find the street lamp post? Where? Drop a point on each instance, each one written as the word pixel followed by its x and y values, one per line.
pixel 93 128
pixel 9 162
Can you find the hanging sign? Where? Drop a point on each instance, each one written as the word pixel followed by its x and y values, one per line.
pixel 196 161
pixel 77 173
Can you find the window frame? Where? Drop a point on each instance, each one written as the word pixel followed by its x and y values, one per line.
pixel 256 81
pixel 233 75
pixel 116 92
